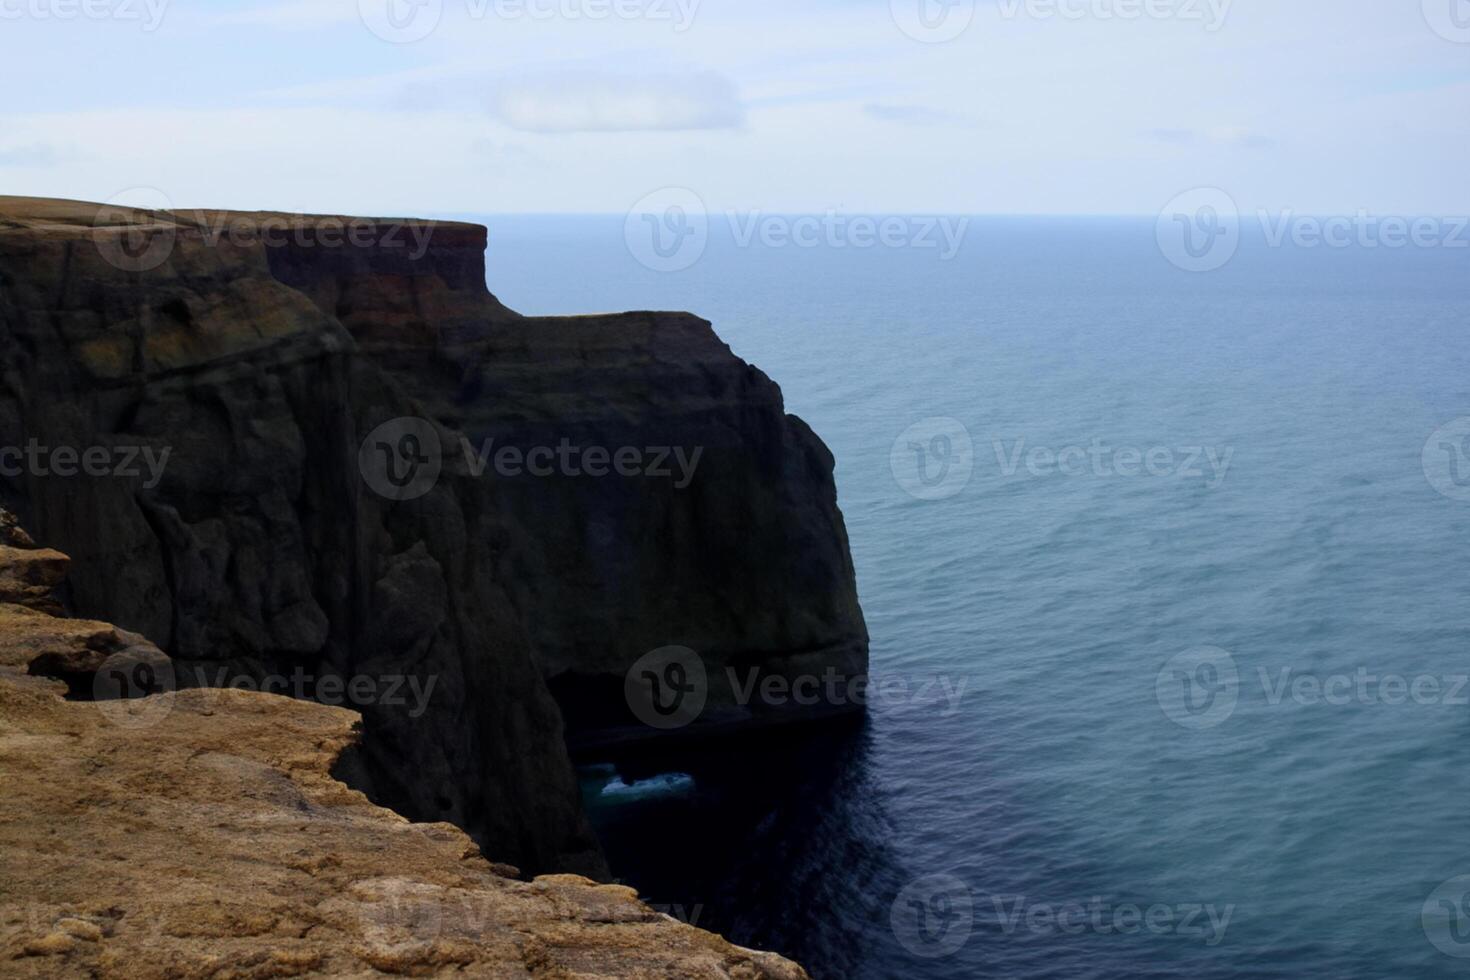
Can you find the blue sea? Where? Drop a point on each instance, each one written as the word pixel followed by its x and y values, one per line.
pixel 1166 573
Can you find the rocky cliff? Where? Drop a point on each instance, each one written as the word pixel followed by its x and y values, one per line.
pixel 200 833
pixel 317 454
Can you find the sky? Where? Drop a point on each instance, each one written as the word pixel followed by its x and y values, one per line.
pixel 431 107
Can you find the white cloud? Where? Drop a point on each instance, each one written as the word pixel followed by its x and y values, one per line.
pixel 1365 104
pixel 601 102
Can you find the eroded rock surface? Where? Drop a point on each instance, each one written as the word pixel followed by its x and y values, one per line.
pixel 199 834
pixel 255 369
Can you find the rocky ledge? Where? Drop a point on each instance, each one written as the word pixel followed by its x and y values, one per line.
pixel 316 455
pixel 318 451
pixel 200 834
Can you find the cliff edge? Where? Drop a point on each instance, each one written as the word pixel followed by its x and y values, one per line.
pixel 316 455
pixel 200 833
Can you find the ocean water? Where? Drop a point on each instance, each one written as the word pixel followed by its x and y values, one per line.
pixel 1204 720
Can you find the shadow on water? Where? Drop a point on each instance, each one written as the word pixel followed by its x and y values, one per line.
pixel 756 838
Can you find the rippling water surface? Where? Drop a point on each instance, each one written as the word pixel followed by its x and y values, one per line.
pixel 1082 817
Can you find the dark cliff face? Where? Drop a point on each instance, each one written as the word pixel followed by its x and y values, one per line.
pixel 275 369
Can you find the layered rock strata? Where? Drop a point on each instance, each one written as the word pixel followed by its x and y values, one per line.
pixel 292 426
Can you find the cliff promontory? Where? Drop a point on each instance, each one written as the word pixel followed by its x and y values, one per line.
pixel 315 456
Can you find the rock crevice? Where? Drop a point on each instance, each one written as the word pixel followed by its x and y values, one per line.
pixel 199 833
